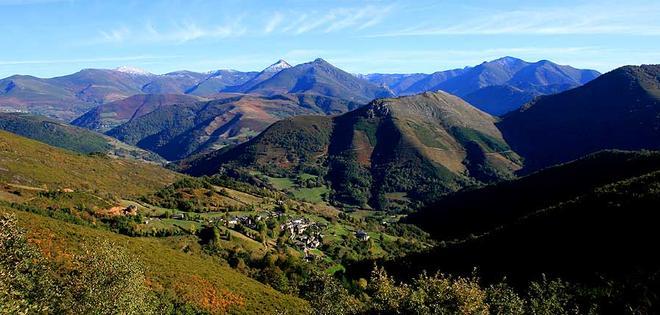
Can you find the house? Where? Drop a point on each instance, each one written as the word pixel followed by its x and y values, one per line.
pixel 178 216
pixel 362 235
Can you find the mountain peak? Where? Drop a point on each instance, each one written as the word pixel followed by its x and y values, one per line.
pixel 278 66
pixel 320 61
pixel 506 60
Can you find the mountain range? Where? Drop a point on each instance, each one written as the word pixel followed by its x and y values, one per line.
pixel 69 96
pixel 495 87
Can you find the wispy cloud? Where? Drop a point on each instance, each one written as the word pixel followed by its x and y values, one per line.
pixel 83 60
pixel 360 18
pixel 274 22
pixel 176 33
pixel 334 20
pixel 604 18
pixel 115 35
pixel 292 22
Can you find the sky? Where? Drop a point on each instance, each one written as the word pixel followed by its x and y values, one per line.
pixel 49 38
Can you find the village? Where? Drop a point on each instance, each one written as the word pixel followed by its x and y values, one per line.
pixel 301 233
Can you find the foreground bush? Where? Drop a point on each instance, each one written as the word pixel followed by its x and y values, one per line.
pixel 102 280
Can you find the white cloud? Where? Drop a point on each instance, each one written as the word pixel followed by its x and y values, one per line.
pixel 115 35
pixel 298 21
pixel 177 33
pixel 333 20
pixel 315 23
pixel 274 22
pixel 292 22
pixel 604 18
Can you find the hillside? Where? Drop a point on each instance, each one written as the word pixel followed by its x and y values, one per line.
pixel 188 280
pixel 38 96
pixel 107 116
pixel 177 131
pixel 392 151
pixel 599 221
pixel 32 164
pixel 72 138
pixel 195 259
pixel 320 77
pixel 618 110
pixel 454 216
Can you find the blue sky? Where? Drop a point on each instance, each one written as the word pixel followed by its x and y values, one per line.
pixel 50 37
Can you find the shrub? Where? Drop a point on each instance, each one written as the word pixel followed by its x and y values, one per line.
pixel 99 280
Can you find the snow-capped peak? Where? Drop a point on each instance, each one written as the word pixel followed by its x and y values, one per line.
pixel 133 70
pixel 278 66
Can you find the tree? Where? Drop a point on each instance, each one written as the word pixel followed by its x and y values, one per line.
pixel 209 235
pixel 502 299
pixel 387 297
pixel 550 297
pixel 327 296
pixel 106 280
pixel 26 284
pixel 100 280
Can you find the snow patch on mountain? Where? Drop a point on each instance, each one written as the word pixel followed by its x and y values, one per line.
pixel 278 66
pixel 132 70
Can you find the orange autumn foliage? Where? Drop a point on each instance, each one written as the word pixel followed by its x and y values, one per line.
pixel 204 295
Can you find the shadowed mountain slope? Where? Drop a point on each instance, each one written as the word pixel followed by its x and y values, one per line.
pixel 619 110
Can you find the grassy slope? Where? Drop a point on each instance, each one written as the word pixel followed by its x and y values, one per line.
pixel 31 163
pixel 168 270
pixel 53 132
pixel 69 137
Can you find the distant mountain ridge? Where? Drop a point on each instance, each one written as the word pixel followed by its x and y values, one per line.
pixel 497 86
pixel 70 96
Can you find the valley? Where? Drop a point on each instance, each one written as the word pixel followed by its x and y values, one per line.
pixel 307 189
